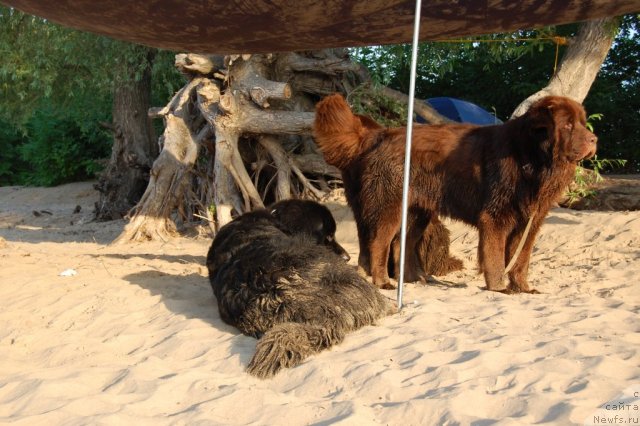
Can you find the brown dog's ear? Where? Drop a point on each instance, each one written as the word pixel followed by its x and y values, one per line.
pixel 539 132
pixel 540 114
pixel 540 121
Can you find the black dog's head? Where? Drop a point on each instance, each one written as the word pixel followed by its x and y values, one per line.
pixel 311 218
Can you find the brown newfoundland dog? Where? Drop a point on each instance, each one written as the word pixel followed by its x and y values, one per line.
pixel 496 178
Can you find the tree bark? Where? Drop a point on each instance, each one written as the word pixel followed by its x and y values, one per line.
pixel 134 147
pixel 579 65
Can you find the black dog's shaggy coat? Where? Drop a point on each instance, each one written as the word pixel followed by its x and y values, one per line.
pixel 278 284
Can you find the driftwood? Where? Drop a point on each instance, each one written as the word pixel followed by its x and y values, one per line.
pixel 256 131
pixel 167 177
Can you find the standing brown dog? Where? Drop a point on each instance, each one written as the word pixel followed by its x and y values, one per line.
pixel 494 177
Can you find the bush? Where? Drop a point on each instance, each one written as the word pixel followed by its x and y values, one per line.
pixel 11 165
pixel 59 150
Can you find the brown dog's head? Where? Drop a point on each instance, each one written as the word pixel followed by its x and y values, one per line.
pixel 561 122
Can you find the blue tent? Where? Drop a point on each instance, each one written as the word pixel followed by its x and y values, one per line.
pixel 462 111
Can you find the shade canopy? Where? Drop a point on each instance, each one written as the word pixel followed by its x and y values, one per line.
pixel 260 26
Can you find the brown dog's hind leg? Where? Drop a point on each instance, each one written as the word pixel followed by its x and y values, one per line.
pixel 379 249
pixel 364 255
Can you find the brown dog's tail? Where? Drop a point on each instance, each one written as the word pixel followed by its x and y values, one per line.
pixel 337 131
pixel 286 345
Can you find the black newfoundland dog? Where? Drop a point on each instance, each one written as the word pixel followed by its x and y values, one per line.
pixel 279 275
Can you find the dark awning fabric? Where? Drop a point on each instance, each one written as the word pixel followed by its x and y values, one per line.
pixel 260 26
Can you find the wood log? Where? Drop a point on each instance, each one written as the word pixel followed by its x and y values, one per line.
pixel 315 164
pixel 255 120
pixel 193 63
pixel 225 122
pixel 262 91
pixel 331 66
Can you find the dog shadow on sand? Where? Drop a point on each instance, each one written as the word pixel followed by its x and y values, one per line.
pixel 191 296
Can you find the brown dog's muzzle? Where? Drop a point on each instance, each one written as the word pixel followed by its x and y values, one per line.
pixel 587 146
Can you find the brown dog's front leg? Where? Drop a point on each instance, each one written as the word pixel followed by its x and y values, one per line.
pixel 518 274
pixel 491 253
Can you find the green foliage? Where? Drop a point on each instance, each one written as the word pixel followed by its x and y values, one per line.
pixel 56 85
pixel 588 174
pixel 369 100
pixel 11 164
pixel 591 118
pixel 473 69
pixel 616 94
pixel 59 150
pixel 165 78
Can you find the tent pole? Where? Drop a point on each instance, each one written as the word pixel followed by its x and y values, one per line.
pixel 407 152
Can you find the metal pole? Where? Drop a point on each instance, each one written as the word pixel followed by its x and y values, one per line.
pixel 407 152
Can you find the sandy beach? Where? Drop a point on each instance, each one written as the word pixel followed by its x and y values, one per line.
pixel 93 333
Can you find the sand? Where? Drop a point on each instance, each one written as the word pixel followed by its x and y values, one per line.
pixel 134 337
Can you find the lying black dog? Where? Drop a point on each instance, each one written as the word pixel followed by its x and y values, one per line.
pixel 280 284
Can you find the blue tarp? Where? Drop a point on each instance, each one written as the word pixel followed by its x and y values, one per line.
pixel 462 111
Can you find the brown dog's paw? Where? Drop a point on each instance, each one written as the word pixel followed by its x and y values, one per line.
pixel 386 286
pixel 516 290
pixel 521 288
